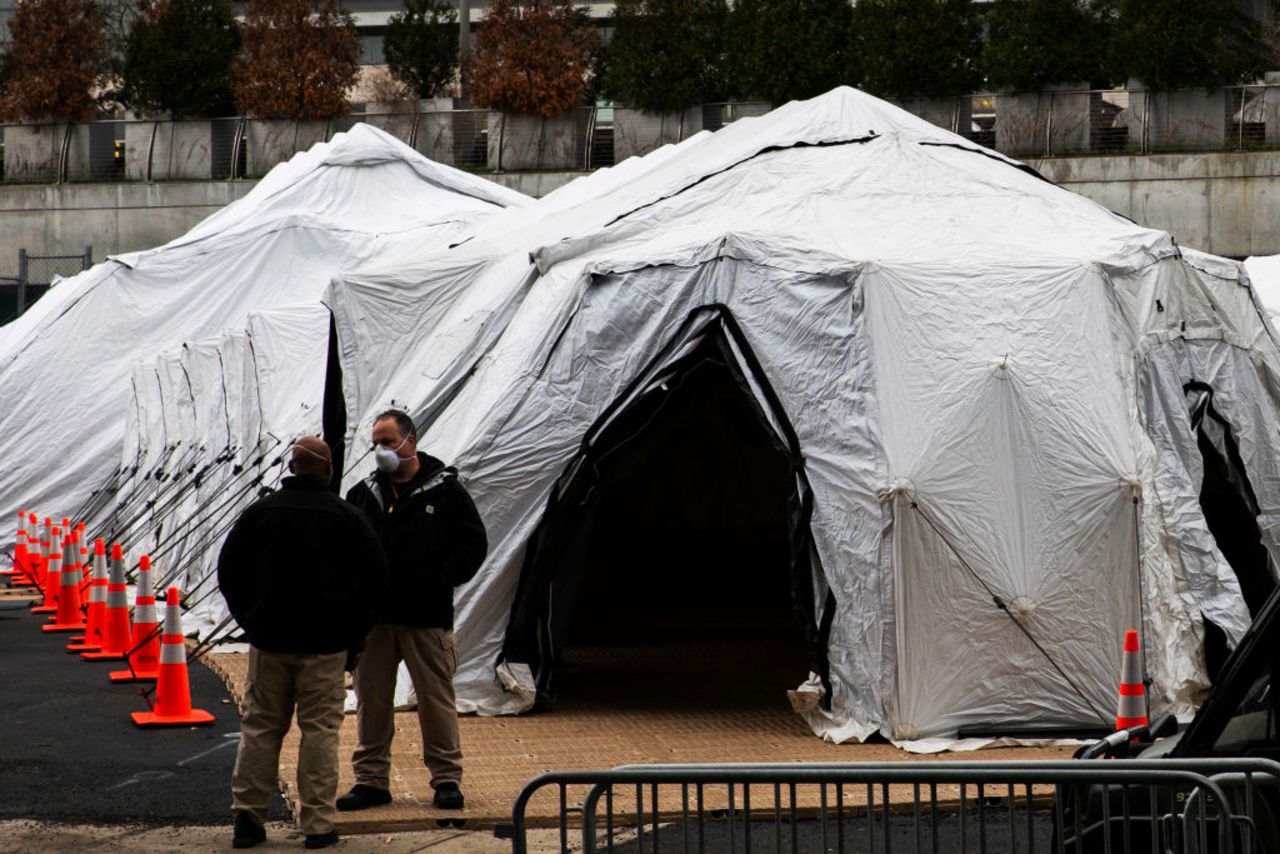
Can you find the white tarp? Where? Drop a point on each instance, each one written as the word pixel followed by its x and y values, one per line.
pixel 411 325
pixel 966 354
pixel 339 205
pixel 1264 273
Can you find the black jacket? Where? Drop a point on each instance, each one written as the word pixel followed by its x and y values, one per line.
pixel 433 537
pixel 301 570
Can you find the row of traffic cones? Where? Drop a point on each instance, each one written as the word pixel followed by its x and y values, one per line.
pixel 107 636
pixel 91 598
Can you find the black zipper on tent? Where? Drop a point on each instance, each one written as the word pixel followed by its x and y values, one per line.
pixel 982 152
pixel 1001 605
pixel 857 140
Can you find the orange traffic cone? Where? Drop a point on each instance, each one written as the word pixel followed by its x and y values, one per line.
pixel 115 637
pixel 69 617
pixel 86 568
pixel 144 660
pixel 173 691
pixel 1132 711
pixel 35 556
pixel 47 547
pixel 95 625
pixel 69 568
pixel 52 578
pixel 24 565
pixel 18 570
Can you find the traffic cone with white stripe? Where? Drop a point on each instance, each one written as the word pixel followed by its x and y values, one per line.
pixel 173 691
pixel 86 568
pixel 69 617
pixel 144 660
pixel 47 547
pixel 35 556
pixel 52 579
pixel 115 637
pixel 1132 711
pixel 18 571
pixel 95 624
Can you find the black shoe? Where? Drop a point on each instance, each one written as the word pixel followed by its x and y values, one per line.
pixel 362 797
pixel 448 797
pixel 247 832
pixel 321 840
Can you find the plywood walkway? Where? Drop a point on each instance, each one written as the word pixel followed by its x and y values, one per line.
pixel 625 721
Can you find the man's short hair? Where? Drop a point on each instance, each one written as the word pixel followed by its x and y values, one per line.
pixel 403 422
pixel 310 457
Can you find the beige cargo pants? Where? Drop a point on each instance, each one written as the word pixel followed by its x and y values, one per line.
pixel 431 660
pixel 277 683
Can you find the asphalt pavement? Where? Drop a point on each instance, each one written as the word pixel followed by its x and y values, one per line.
pixel 70 752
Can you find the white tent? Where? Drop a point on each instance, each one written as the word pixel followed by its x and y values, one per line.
pixel 1264 273
pixel 415 353
pixel 68 362
pixel 976 376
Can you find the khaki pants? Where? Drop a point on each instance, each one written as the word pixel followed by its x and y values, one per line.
pixel 430 658
pixel 278 682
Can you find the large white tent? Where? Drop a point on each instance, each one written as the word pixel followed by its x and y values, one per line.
pixel 978 379
pixel 67 363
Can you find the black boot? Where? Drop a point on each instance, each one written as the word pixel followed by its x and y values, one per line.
pixel 321 840
pixel 247 832
pixel 448 797
pixel 362 797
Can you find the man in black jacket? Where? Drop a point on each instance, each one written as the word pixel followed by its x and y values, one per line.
pixel 301 571
pixel 434 540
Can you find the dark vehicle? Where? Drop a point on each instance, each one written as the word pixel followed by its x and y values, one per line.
pixel 1237 721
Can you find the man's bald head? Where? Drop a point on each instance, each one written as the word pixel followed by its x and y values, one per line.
pixel 311 458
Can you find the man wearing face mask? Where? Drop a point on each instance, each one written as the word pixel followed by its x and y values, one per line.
pixel 301 571
pixel 434 540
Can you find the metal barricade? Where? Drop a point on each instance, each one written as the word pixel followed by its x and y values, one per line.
pixel 1168 806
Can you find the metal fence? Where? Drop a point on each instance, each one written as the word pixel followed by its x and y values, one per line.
pixel 1109 121
pixel 1060 122
pixel 1167 806
pixel 35 274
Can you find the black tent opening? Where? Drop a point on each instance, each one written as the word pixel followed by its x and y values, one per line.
pixel 673 566
pixel 1230 510
pixel 334 408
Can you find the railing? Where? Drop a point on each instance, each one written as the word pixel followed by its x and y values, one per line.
pixel 1058 122
pixel 1111 121
pixel 1221 805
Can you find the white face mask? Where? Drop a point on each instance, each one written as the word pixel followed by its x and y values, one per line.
pixel 388 460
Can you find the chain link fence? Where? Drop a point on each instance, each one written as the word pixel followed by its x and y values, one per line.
pixel 36 274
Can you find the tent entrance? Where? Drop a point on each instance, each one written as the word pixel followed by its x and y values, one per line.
pixel 672 567
pixel 1230 509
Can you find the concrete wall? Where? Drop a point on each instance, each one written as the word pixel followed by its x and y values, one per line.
pixel 113 218
pixel 1228 204
pixel 125 217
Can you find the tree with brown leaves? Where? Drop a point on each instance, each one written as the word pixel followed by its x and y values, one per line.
pixel 299 59
pixel 532 57
pixel 56 59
